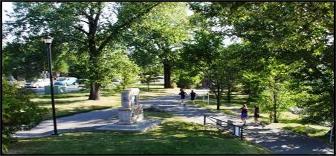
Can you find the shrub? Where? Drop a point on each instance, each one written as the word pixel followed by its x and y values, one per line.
pixel 17 111
pixel 187 81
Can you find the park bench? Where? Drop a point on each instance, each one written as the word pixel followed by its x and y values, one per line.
pixel 221 125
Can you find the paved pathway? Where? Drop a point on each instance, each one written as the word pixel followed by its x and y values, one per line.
pixel 82 121
pixel 278 141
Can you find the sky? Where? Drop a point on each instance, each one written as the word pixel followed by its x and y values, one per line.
pixel 6 6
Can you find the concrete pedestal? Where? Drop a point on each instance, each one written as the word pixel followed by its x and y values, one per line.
pixel 125 116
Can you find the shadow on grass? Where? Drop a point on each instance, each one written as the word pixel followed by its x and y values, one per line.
pixel 290 121
pixel 153 90
pixel 108 94
pixel 61 96
pixel 58 102
pixel 64 113
pixel 153 114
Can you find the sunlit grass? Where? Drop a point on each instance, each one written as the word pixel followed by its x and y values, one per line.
pixel 156 92
pixel 230 109
pixel 72 103
pixel 172 136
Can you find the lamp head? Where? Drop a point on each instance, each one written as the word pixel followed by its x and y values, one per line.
pixel 47 39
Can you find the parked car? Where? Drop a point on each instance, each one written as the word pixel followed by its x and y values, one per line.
pixel 83 82
pixel 159 79
pixel 38 83
pixel 11 80
pixel 66 81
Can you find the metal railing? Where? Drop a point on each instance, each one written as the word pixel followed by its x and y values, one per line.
pixel 235 130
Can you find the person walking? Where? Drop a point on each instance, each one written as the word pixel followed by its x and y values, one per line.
pixel 192 96
pixel 183 95
pixel 256 113
pixel 243 114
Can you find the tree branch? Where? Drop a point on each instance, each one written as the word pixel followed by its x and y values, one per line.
pixel 117 28
pixel 85 21
pixel 86 15
pixel 98 13
pixel 76 39
pixel 80 29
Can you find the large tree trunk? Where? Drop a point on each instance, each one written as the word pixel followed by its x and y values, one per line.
pixel 93 51
pixel 218 98
pixel 275 119
pixel 94 91
pixel 218 102
pixel 167 74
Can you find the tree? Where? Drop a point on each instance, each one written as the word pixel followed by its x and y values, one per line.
pixel 220 65
pixel 150 73
pixel 294 35
pixel 160 33
pixel 115 64
pixel 291 33
pixel 252 83
pixel 129 72
pixel 224 71
pixel 232 65
pixel 276 95
pixel 17 110
pixel 61 67
pixel 187 78
pixel 23 60
pixel 142 55
pixel 84 25
pixel 201 55
pixel 216 75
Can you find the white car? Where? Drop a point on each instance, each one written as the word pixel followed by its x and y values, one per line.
pixel 66 81
pixel 38 83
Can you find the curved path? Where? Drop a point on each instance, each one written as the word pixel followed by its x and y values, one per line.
pixel 276 140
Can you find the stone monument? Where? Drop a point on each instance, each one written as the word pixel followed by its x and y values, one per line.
pixel 130 111
pixel 130 114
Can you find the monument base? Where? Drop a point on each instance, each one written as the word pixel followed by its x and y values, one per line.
pixel 140 126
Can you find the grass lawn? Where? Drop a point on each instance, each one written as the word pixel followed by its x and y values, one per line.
pixel 171 137
pixel 76 102
pixel 72 103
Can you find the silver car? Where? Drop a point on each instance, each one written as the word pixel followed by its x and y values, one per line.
pixel 66 81
pixel 38 83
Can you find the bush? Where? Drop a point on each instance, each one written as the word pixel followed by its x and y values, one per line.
pixel 187 81
pixel 17 111
pixel 184 83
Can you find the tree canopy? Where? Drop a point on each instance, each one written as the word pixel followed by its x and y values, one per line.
pixel 90 27
pixel 283 56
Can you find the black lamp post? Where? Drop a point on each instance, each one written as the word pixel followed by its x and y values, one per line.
pixel 47 40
